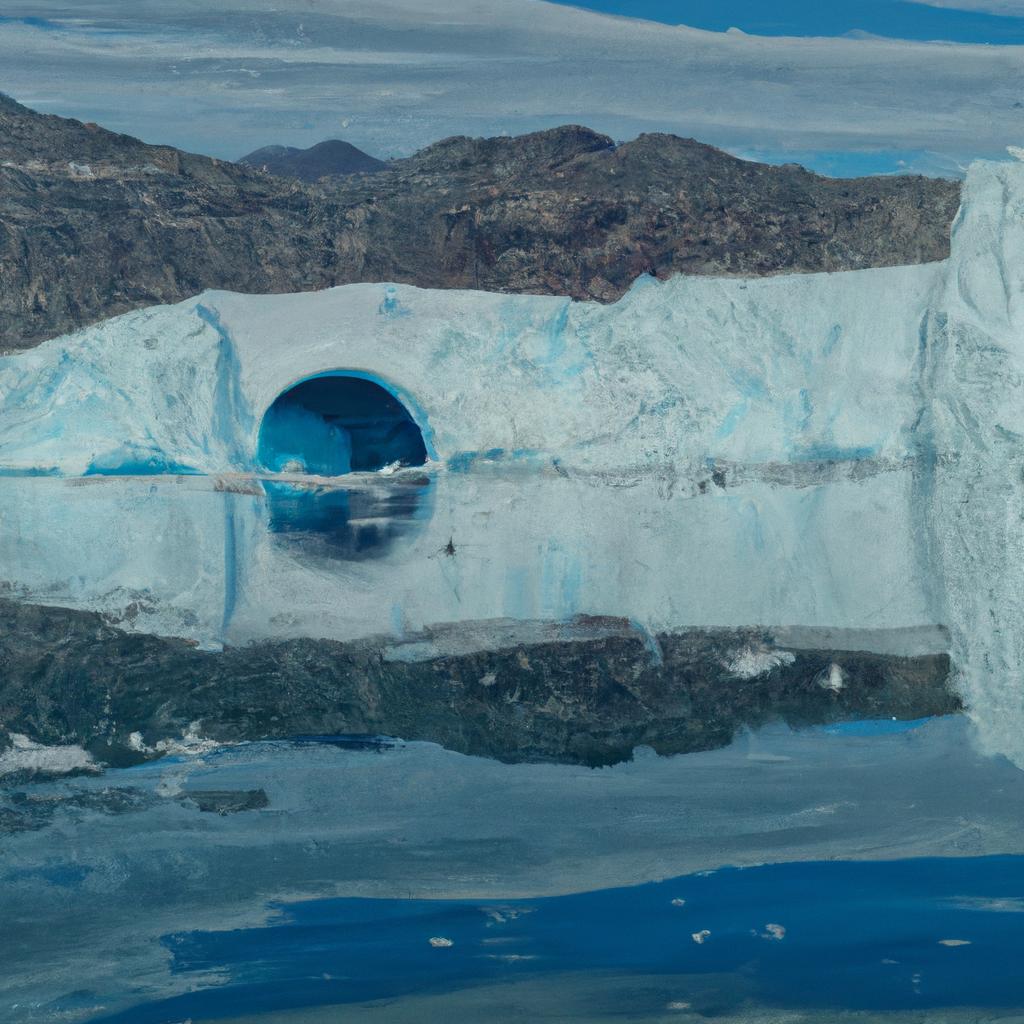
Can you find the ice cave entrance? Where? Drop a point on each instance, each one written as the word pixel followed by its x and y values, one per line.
pixel 337 423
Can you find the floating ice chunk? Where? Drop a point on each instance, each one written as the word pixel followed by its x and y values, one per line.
pixel 774 931
pixel 440 942
pixel 677 902
pixel 954 942
pixel 502 915
pixel 677 1004
pixel 750 662
pixel 701 936
pixel 25 755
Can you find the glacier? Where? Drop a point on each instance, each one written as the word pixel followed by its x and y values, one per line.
pixel 824 452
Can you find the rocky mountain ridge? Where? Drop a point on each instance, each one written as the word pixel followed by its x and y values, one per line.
pixel 93 224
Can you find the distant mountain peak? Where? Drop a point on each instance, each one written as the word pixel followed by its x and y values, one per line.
pixel 328 159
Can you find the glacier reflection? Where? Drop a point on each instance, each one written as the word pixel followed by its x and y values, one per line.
pixel 234 558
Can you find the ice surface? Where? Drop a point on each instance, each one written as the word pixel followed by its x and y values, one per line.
pixel 294 438
pixel 24 755
pixel 433 69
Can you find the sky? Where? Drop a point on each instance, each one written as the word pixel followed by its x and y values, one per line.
pixel 391 76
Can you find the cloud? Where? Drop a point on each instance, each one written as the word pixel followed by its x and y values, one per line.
pixel 228 77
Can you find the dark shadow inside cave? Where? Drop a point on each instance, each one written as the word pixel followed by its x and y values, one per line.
pixel 338 423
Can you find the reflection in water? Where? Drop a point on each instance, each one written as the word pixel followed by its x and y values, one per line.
pixel 350 522
pixel 233 558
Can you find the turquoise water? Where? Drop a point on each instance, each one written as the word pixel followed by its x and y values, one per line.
pixel 897 19
pixel 912 934
pixel 874 726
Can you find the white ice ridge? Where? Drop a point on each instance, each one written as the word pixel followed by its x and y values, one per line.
pixel 825 450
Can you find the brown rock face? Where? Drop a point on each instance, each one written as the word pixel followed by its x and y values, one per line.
pixel 93 224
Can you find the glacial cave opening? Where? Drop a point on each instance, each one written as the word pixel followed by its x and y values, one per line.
pixel 336 423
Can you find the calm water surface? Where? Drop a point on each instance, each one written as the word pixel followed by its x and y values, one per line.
pixel 911 934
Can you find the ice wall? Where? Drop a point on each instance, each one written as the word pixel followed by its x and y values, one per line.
pixel 154 391
pixel 973 380
pixel 790 369
pixel 701 453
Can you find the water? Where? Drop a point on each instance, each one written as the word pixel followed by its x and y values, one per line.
pixel 895 19
pixel 347 522
pixel 896 935
pixel 234 559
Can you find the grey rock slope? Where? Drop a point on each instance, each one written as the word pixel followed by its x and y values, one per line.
pixel 93 224
pixel 331 158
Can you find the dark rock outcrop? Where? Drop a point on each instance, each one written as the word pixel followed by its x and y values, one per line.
pixel 227 801
pixel 93 224
pixel 332 158
pixel 68 677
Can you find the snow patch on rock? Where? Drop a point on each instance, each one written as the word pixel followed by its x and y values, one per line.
pixel 752 662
